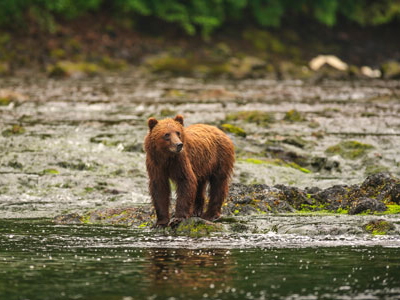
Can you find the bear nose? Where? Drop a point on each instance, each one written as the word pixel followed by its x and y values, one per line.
pixel 179 147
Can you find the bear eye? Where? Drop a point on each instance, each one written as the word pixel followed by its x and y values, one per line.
pixel 178 133
pixel 166 136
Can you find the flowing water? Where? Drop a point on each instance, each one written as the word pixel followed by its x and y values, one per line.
pixel 39 260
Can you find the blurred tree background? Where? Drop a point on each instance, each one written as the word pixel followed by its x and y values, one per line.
pixel 207 37
pixel 201 16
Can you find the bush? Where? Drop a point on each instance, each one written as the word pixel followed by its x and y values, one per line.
pixel 201 15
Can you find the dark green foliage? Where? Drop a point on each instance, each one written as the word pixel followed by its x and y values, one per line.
pixel 201 15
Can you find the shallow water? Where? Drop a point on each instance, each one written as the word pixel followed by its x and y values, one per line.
pixel 39 260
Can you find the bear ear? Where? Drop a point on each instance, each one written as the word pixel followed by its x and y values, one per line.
pixel 179 119
pixel 152 122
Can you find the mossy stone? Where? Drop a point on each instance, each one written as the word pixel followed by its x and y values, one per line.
pixel 167 112
pixel 5 101
pixel 67 68
pixel 14 130
pixel 379 227
pixel 391 69
pixel 169 63
pixel 233 129
pixel 258 117
pixel 349 149
pixel 294 116
pixel 196 227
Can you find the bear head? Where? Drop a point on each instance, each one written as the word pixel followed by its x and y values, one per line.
pixel 167 134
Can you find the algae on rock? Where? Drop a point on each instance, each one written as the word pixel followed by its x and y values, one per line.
pixel 349 149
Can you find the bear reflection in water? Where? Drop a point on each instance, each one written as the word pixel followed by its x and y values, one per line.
pixel 191 269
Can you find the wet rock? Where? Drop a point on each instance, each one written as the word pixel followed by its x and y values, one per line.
pixel 295 141
pixel 4 68
pixel 288 70
pixel 395 194
pixel 70 69
pixel 312 190
pixel 368 205
pixel 134 147
pixel 5 101
pixel 166 62
pixel 257 117
pixel 374 167
pixel 245 67
pixel 391 70
pixel 14 130
pixel 73 218
pixel 132 216
pixel 245 200
pixel 334 197
pixel 239 227
pixel 294 116
pixel 294 196
pixel 248 210
pixel 331 60
pixel 80 165
pixel 15 165
pixel 371 73
pixel 260 197
pixel 379 227
pixel 377 181
pixel 286 155
pixel 381 186
pixel 323 163
pixel 113 64
pixel 196 227
pixel 349 149
pixel 164 113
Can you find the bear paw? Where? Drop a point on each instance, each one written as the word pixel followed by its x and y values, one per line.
pixel 175 222
pixel 211 217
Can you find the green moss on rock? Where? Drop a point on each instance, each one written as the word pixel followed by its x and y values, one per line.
pixel 5 101
pixel 391 69
pixel 233 129
pixel 294 116
pixel 392 209
pixel 14 130
pixel 67 68
pixel 379 227
pixel 276 162
pixel 349 149
pixel 50 172
pixel 258 117
pixel 196 227
pixel 167 112
pixel 113 64
pixel 169 63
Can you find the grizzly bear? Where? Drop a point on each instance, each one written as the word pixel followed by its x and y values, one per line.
pixel 191 157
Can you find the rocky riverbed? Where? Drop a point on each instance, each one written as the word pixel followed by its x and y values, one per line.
pixel 75 145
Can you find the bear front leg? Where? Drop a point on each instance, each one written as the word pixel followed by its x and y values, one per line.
pixel 186 194
pixel 199 201
pixel 160 193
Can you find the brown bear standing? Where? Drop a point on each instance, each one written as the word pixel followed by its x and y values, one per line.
pixel 191 157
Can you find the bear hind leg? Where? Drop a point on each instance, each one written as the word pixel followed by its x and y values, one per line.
pixel 218 192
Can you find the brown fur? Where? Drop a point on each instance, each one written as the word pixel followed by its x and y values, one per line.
pixel 207 156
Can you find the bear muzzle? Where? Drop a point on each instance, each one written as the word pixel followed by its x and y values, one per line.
pixel 179 147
